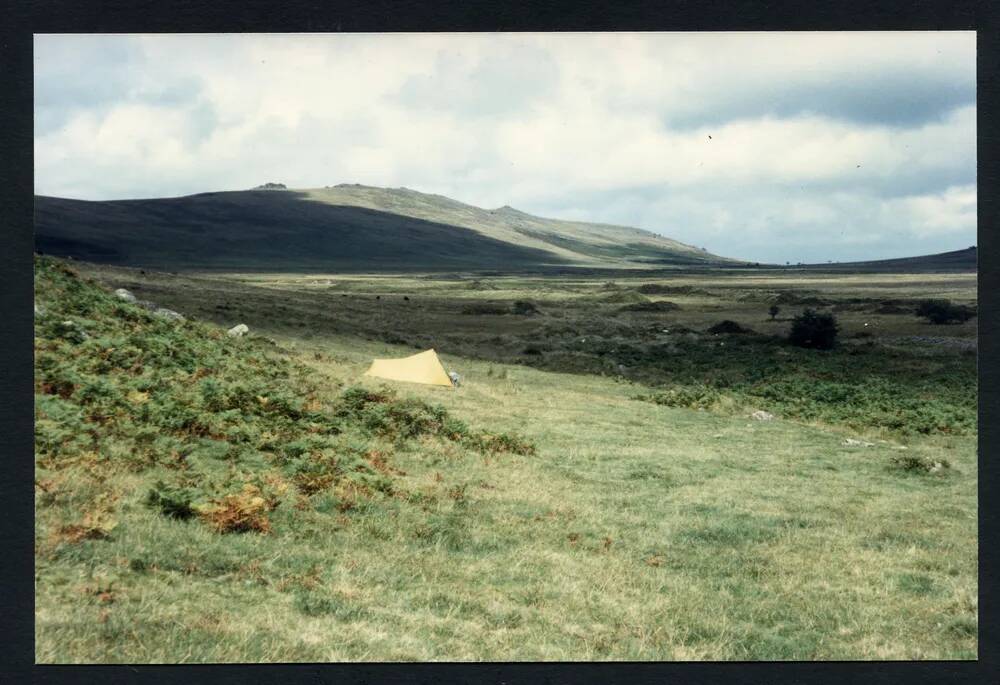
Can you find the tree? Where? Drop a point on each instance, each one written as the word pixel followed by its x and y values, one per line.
pixel 773 311
pixel 943 312
pixel 816 330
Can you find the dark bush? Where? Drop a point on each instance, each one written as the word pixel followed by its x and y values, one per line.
pixel 728 326
pixel 817 330
pixel 658 306
pixel 774 310
pixel 171 501
pixel 525 308
pixel 915 464
pixel 485 308
pixel 944 312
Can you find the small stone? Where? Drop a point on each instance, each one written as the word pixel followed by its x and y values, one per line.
pixel 761 415
pixel 125 295
pixel 238 331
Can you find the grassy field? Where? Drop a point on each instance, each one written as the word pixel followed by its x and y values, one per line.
pixel 554 507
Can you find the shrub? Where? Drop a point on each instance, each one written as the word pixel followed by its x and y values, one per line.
pixel 913 464
pixel 657 306
pixel 729 327
pixel 686 396
pixel 171 501
pixel 817 330
pixel 774 310
pixel 238 513
pixel 485 308
pixel 940 312
pixel 499 442
pixel 526 308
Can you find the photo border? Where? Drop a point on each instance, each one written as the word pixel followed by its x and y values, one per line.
pixel 22 20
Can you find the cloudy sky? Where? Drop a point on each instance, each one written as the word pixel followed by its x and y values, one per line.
pixel 765 146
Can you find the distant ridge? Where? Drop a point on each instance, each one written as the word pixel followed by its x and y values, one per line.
pixel 348 227
pixel 956 260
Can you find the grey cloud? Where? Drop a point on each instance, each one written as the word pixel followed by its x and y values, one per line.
pixel 891 98
pixel 78 73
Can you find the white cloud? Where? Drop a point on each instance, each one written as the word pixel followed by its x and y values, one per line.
pixel 819 142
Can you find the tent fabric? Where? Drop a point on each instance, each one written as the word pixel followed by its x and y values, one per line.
pixel 424 367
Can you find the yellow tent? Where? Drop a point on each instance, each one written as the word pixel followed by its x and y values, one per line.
pixel 424 367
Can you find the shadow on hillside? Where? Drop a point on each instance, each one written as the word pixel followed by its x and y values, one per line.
pixel 265 231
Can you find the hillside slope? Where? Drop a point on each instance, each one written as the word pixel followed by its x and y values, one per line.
pixel 956 260
pixel 347 227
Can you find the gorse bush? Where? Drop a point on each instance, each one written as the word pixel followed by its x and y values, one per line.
pixel 228 427
pixel 943 312
pixel 817 330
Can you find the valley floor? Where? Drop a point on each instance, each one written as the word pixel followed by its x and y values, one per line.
pixel 636 532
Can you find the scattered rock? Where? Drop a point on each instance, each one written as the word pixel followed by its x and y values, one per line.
pixel 125 295
pixel 168 314
pixel 146 304
pixel 761 415
pixel 72 331
pixel 39 311
pixel 238 331
pixel 851 442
